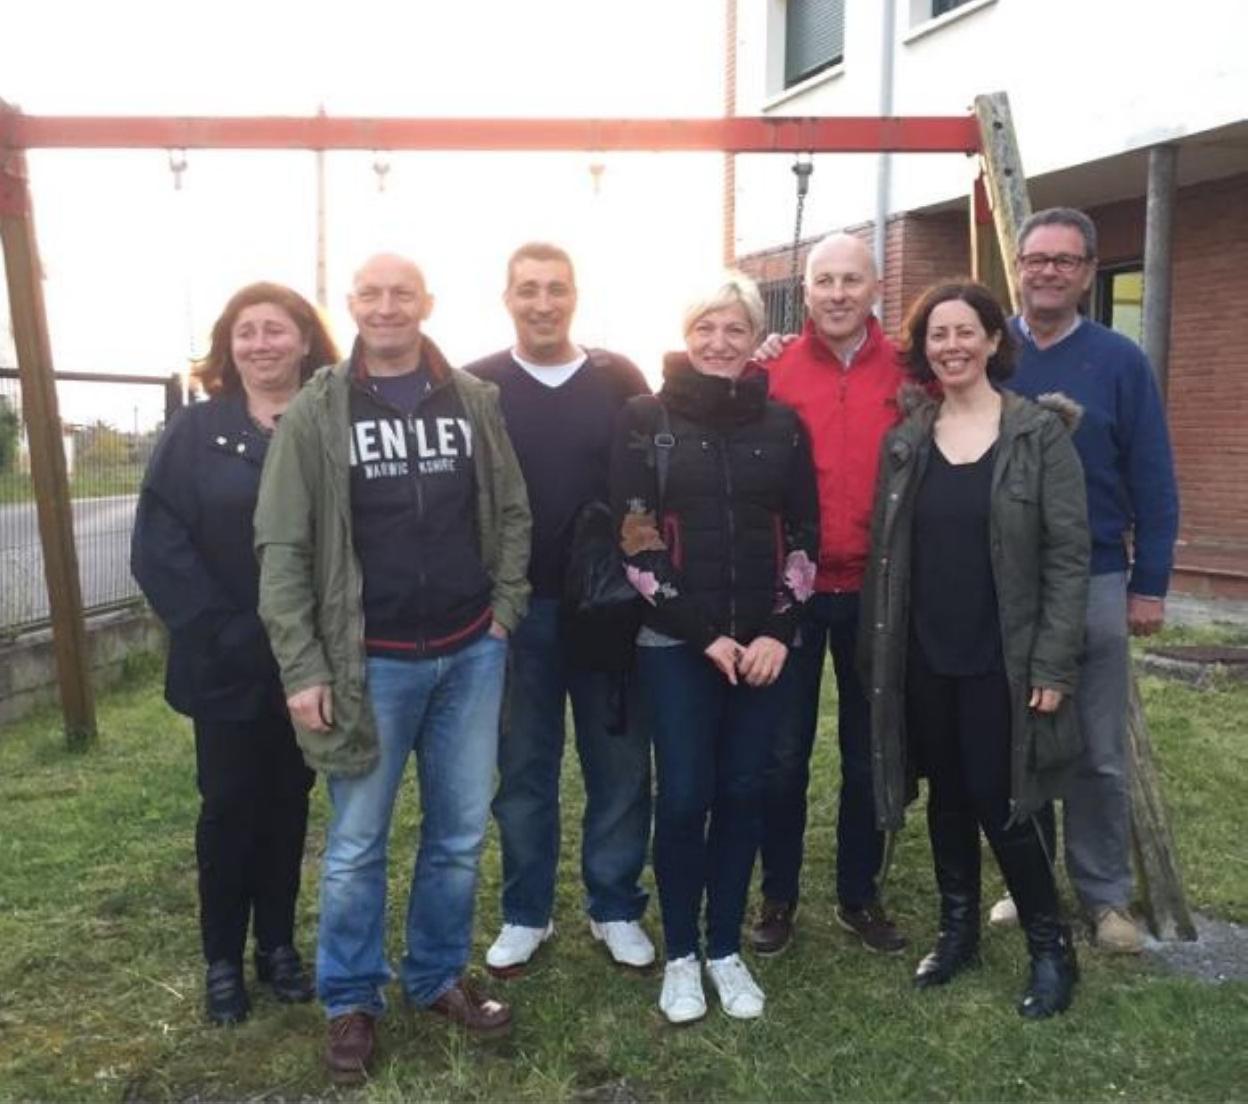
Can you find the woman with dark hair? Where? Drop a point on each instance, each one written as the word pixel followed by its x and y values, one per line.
pixel 191 553
pixel 973 615
pixel 714 491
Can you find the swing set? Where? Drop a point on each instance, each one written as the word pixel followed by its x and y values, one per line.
pixel 998 205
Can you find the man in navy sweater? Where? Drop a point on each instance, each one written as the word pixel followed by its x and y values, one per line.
pixel 1132 499
pixel 560 404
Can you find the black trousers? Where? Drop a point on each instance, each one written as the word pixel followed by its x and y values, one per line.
pixel 959 727
pixel 253 818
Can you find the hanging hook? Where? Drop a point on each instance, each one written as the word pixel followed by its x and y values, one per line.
pixel 177 166
pixel 802 170
pixel 381 166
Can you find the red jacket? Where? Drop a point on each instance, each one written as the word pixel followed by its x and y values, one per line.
pixel 847 412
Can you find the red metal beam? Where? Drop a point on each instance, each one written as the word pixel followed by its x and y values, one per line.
pixel 742 134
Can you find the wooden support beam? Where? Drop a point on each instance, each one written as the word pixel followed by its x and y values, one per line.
pixel 1163 168
pixel 1165 901
pixel 1005 180
pixel 986 264
pixel 47 453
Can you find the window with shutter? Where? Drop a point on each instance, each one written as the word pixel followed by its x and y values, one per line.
pixel 814 37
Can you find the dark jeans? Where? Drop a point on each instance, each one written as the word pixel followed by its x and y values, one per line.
pixel 959 728
pixel 711 742
pixel 615 767
pixel 831 621
pixel 249 840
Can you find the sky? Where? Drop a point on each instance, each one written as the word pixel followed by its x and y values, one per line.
pixel 137 270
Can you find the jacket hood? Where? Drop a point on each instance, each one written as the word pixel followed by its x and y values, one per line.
pixel 916 398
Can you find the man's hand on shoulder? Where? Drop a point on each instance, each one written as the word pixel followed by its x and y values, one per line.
pixel 773 345
pixel 1145 615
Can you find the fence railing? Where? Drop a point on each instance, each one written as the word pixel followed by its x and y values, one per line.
pixel 110 425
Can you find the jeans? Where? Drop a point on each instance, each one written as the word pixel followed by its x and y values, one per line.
pixel 711 743
pixel 249 839
pixel 831 620
pixel 615 767
pixel 446 711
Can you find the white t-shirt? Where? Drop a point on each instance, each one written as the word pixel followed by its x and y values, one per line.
pixel 552 375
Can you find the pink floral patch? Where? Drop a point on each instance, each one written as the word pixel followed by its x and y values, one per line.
pixel 799 575
pixel 644 582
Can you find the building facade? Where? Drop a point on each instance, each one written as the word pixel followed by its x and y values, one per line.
pixel 1093 87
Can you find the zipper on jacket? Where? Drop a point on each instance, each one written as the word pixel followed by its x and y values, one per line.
pixel 732 537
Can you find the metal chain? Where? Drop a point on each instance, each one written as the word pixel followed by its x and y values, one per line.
pixel 801 170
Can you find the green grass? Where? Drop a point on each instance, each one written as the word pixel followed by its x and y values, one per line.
pixel 101 982
pixel 115 479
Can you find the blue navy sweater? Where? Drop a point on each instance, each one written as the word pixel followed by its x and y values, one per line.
pixel 562 437
pixel 1123 442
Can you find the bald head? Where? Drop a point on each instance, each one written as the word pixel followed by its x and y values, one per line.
pixel 389 301
pixel 841 288
pixel 847 248
pixel 388 265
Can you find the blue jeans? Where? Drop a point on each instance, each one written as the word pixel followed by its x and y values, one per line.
pixel 446 711
pixel 830 620
pixel 711 744
pixel 615 767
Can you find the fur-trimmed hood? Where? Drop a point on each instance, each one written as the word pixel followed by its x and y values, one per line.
pixel 916 398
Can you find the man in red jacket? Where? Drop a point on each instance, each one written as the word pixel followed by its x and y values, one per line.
pixel 841 376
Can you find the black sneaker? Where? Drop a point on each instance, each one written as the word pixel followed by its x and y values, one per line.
pixel 225 996
pixel 773 930
pixel 873 927
pixel 283 970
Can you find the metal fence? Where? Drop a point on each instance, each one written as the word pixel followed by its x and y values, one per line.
pixel 779 298
pixel 110 425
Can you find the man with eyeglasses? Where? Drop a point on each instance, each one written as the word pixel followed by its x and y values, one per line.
pixel 1132 500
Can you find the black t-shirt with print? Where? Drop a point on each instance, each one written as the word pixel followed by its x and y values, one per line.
pixel 413 515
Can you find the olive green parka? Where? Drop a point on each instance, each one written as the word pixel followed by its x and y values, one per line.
pixel 1038 526
pixel 311 585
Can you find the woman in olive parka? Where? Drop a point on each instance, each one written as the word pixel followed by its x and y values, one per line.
pixel 972 627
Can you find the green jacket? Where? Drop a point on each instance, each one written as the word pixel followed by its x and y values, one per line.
pixel 311 586
pixel 1038 521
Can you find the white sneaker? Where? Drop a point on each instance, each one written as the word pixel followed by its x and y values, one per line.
pixel 1004 914
pixel 682 1000
pixel 514 947
pixel 738 992
pixel 626 940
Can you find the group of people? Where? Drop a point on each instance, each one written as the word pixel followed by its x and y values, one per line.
pixel 929 515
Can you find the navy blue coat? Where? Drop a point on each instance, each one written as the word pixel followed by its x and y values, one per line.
pixel 192 555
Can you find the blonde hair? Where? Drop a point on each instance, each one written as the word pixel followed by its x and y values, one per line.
pixel 733 289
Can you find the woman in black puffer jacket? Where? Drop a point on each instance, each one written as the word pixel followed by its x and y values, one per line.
pixel 724 561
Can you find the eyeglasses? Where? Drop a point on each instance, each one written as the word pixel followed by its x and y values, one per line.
pixel 1065 263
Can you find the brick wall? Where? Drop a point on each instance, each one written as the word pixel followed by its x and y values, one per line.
pixel 1207 395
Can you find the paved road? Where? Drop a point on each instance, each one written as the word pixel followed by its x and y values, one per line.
pixel 102 535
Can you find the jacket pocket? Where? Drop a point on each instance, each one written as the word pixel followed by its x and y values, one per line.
pixel 1056 738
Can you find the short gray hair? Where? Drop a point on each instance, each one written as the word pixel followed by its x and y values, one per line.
pixel 1062 216
pixel 734 288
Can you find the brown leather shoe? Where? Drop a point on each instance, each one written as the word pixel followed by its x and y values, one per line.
pixel 872 925
pixel 464 1004
pixel 773 929
pixel 349 1049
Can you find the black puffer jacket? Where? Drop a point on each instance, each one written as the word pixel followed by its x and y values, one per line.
pixel 732 552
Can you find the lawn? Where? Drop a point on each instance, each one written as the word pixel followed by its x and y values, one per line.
pixel 100 977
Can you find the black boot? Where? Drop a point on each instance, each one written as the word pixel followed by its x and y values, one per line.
pixel 1054 969
pixel 955 855
pixel 225 996
pixel 283 969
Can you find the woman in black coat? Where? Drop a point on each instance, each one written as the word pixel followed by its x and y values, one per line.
pixel 714 491
pixel 192 555
pixel 973 622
